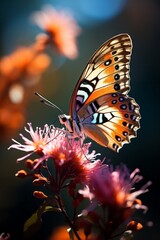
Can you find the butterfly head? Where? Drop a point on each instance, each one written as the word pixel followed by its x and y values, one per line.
pixel 67 121
pixel 63 118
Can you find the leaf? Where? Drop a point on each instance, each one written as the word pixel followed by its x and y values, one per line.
pixel 32 225
pixel 51 209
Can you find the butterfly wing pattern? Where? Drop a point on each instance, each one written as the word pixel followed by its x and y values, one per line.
pixel 100 103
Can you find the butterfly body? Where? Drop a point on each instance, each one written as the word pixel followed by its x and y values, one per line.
pixel 73 126
pixel 100 107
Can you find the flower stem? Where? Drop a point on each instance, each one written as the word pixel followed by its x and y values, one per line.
pixel 67 217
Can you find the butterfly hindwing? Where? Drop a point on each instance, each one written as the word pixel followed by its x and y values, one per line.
pixel 107 72
pixel 111 120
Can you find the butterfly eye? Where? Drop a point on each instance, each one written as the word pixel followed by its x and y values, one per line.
pixel 64 119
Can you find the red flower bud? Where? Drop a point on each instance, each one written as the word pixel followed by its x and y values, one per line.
pixel 39 194
pixel 134 226
pixel 21 174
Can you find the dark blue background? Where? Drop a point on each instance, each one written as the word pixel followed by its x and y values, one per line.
pixel 138 18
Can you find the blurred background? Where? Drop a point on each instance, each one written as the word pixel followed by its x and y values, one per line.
pixel 98 20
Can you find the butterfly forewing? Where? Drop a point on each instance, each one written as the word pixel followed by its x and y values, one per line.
pixel 107 72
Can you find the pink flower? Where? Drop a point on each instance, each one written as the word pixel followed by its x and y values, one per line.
pixel 114 189
pixel 62 29
pixel 39 139
pixel 112 193
pixel 71 158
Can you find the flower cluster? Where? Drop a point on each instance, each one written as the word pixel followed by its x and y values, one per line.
pixel 71 160
pixel 113 191
pixel 112 200
pixel 23 68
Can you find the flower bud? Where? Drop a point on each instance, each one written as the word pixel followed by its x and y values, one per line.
pixel 29 164
pixel 39 194
pixel 21 174
pixel 134 226
pixel 40 181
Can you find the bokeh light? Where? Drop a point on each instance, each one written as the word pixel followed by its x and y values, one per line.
pixel 92 12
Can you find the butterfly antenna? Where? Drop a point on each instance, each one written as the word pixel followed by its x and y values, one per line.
pixel 47 102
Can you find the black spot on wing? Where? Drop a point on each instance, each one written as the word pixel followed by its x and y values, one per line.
pixel 116 86
pixel 108 62
pixel 117 77
pixel 117 67
pixel 114 101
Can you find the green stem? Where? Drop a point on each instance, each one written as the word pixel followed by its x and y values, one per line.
pixel 67 217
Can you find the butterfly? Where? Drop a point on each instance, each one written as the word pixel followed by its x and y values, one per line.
pixel 100 107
